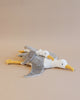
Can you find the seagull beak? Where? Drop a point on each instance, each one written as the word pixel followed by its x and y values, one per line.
pixel 69 67
pixel 50 57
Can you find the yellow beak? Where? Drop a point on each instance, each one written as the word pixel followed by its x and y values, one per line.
pixel 69 67
pixel 50 57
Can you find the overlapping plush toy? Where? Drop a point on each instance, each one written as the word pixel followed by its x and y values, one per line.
pixel 39 60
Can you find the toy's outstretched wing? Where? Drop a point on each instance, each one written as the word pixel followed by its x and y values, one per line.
pixel 30 48
pixel 36 70
pixel 29 57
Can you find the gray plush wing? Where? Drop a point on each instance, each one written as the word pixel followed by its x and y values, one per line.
pixel 29 58
pixel 36 70
pixel 23 55
pixel 30 48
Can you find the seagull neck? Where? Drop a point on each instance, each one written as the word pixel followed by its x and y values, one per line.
pixel 54 63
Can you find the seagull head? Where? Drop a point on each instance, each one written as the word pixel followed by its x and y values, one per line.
pixel 62 63
pixel 41 52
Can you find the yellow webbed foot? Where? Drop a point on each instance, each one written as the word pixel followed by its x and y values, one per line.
pixel 9 61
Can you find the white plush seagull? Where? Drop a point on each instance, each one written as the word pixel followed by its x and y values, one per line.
pixel 48 63
pixel 61 63
pixel 40 60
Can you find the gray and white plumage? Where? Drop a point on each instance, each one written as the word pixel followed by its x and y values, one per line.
pixel 24 55
pixel 37 61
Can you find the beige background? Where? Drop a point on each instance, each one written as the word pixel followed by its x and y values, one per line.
pixel 48 24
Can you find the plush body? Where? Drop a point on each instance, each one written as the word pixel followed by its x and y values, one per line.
pixel 39 60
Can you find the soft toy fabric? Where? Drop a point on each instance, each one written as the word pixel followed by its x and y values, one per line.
pixel 39 60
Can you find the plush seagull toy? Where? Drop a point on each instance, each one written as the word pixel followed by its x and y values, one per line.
pixel 40 60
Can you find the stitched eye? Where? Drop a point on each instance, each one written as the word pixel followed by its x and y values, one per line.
pixel 62 63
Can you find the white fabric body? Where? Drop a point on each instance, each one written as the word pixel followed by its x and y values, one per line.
pixel 56 63
pixel 47 63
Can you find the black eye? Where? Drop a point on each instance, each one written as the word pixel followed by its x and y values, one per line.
pixel 62 63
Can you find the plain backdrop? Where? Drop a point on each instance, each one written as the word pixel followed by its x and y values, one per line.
pixel 52 25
